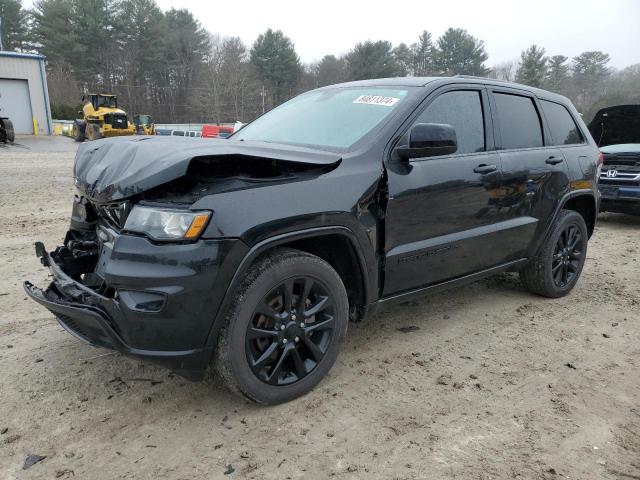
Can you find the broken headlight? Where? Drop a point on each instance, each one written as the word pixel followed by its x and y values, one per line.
pixel 166 224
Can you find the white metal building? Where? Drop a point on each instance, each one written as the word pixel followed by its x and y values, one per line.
pixel 23 92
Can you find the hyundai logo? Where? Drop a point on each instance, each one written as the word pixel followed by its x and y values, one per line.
pixel 612 173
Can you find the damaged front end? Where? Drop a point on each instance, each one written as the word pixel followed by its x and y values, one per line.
pixel 154 300
pixel 142 269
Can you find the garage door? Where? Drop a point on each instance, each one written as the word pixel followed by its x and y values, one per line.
pixel 16 104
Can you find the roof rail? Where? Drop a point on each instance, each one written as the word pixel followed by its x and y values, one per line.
pixel 476 77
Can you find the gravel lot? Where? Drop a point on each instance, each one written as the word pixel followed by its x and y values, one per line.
pixel 495 383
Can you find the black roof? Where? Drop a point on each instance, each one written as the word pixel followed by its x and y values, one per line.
pixel 423 81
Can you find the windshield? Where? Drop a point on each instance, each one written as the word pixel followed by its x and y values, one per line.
pixel 336 118
pixel 108 102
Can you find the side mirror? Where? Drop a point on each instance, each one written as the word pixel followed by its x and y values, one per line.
pixel 429 140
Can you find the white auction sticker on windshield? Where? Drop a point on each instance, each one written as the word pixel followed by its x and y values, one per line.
pixel 377 100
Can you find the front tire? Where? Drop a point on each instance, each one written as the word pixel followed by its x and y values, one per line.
pixel 556 269
pixel 93 132
pixel 284 329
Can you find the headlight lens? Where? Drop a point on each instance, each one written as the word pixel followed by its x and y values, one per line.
pixel 166 224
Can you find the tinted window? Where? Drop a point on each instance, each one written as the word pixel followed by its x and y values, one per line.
pixel 518 121
pixel 564 130
pixel 463 110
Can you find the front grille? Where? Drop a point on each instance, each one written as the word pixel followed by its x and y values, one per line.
pixel 115 214
pixel 622 169
pixel 116 120
pixel 627 161
pixel 624 177
pixel 616 172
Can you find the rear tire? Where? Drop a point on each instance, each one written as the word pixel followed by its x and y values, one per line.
pixel 9 133
pixel 279 355
pixel 556 269
pixel 78 130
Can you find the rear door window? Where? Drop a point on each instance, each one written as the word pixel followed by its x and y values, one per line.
pixel 461 109
pixel 518 120
pixel 564 130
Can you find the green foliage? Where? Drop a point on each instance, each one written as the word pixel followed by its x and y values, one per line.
pixel 459 53
pixel 557 75
pixel 330 70
pixel 372 60
pixel 533 66
pixel 277 63
pixel 128 47
pixel 65 111
pixel 589 74
pixel 423 52
pixel 618 88
pixel 404 59
pixel 52 31
pixel 14 24
pixel 592 65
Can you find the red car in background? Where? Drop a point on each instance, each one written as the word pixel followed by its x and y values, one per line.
pixel 216 131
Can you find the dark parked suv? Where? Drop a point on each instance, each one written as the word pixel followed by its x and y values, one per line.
pixel 250 254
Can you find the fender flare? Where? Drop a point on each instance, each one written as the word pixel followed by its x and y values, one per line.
pixel 268 244
pixel 586 192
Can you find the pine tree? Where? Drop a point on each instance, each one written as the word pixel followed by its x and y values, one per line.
pixel 404 59
pixel 12 25
pixel 589 74
pixel 557 76
pixel 533 67
pixel 330 70
pixel 423 55
pixel 459 53
pixel 277 63
pixel 371 60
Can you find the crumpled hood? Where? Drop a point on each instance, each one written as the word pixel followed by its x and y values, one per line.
pixel 616 125
pixel 117 168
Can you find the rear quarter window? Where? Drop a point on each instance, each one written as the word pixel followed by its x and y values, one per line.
pixel 518 121
pixel 564 130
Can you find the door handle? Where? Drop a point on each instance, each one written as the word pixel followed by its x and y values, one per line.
pixel 553 160
pixel 483 168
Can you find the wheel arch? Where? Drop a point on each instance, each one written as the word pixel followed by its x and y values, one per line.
pixel 337 245
pixel 585 203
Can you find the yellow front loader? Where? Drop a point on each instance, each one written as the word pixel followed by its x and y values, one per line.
pixel 144 124
pixel 102 118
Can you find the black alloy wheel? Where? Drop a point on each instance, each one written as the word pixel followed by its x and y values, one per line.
pixel 284 329
pixel 291 330
pixel 567 257
pixel 556 268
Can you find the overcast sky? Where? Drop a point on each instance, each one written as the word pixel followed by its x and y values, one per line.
pixel 317 28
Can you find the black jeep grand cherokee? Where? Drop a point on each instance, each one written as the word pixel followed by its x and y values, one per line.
pixel 250 254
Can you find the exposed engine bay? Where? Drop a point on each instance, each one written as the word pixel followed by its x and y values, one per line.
pixel 214 175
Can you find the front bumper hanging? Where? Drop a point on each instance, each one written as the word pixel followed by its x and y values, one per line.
pixel 95 319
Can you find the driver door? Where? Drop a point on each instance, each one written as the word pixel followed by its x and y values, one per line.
pixel 440 218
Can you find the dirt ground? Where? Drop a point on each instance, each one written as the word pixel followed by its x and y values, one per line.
pixel 495 383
